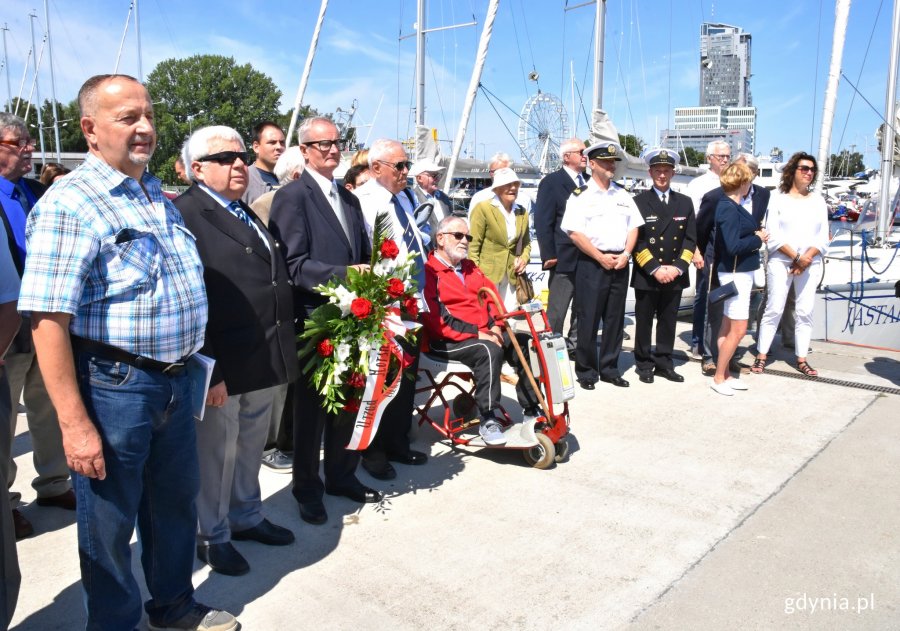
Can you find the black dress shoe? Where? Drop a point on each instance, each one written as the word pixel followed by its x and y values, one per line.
pixel 668 373
pixel 384 472
pixel 586 385
pixel 616 381
pixel 223 558
pixel 64 500
pixel 645 377
pixel 265 532
pixel 411 457
pixel 361 494
pixel 313 512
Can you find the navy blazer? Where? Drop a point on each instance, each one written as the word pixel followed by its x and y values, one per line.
pixel 315 245
pixel 737 245
pixel 706 214
pixel 549 207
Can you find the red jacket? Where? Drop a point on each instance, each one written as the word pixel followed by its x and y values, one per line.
pixel 454 313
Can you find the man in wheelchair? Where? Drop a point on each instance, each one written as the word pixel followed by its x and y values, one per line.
pixel 459 329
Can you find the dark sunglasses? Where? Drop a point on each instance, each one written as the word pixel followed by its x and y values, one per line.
pixel 323 145
pixel 225 157
pixel 403 165
pixel 806 169
pixel 459 236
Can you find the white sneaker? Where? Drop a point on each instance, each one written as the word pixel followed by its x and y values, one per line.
pixel 722 388
pixel 737 384
pixel 695 353
pixel 491 432
pixel 532 415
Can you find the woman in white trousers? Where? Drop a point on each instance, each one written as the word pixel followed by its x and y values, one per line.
pixel 798 229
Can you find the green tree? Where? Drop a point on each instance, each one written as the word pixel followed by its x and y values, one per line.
pixel 206 90
pixel 631 144
pixel 845 163
pixel 692 157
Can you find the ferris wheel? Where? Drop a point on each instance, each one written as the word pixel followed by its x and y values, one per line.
pixel 543 125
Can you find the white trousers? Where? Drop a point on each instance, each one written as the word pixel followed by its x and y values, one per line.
pixel 779 281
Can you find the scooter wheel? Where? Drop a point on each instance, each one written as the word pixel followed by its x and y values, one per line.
pixel 541 455
pixel 562 450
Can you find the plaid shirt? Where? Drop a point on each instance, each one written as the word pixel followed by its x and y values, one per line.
pixel 124 266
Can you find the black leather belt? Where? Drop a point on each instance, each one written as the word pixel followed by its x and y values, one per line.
pixel 113 353
pixel 611 251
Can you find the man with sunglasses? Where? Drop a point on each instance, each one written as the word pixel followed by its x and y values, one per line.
pixel 322 232
pixel 114 286
pixel 250 336
pixel 387 192
pixel 18 195
pixel 460 329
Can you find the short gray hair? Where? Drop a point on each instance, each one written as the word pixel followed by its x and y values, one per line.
pixel 749 159
pixel 446 221
pixel 289 163
pixel 309 123
pixel 186 161
pixel 499 158
pixel 381 148
pixel 11 121
pixel 714 144
pixel 198 144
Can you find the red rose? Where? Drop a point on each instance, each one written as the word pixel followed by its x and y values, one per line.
pixel 389 249
pixel 412 306
pixel 325 348
pixel 361 308
pixel 356 380
pixel 395 287
pixel 352 406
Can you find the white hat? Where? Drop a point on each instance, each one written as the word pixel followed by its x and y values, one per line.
pixel 660 156
pixel 504 176
pixel 425 166
pixel 604 150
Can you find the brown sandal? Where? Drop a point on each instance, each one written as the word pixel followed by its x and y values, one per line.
pixel 758 366
pixel 804 367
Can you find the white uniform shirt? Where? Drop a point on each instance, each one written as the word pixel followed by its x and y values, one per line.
pixel 604 217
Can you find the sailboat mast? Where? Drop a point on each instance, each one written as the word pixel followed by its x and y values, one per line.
pixel 420 63
pixel 301 89
pixel 9 105
pixel 599 42
pixel 37 90
pixel 474 82
pixel 887 138
pixel 52 84
pixel 841 11
pixel 137 32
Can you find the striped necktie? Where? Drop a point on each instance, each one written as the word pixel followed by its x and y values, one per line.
pixel 579 180
pixel 236 210
pixel 22 196
pixel 412 244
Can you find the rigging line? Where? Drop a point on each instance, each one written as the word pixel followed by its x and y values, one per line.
pixel 527 36
pixel 669 81
pixel 84 72
pixel 562 58
pixel 519 50
pixel 514 113
pixel 624 89
pixel 859 76
pixel 874 109
pixel 399 51
pixel 511 135
pixel 440 101
pixel 812 130
pixel 643 67
pixel 168 28
pixel 581 102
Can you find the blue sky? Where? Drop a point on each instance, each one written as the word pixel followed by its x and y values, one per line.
pixel 651 66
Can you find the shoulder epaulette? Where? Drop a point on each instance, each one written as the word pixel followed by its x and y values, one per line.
pixel 580 189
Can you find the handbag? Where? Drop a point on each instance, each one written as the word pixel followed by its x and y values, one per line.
pixel 524 287
pixel 723 292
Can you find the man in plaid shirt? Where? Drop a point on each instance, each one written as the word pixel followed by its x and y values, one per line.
pixel 114 285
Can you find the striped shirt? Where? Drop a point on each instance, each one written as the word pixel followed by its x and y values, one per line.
pixel 124 266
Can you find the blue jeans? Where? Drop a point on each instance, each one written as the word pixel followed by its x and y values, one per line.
pixel 152 477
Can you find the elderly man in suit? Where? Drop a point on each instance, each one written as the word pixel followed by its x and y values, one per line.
pixel 662 256
pixel 18 195
pixel 756 203
pixel 387 192
pixel 321 228
pixel 558 253
pixel 250 335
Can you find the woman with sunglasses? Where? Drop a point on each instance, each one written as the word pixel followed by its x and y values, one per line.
pixel 798 223
pixel 497 225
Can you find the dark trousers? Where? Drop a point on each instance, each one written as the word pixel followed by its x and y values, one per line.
pixel 663 306
pixel 599 294
pixel 311 422
pixel 701 284
pixel 561 291
pixel 484 359
pixel 713 313
pixel 284 441
pixel 392 438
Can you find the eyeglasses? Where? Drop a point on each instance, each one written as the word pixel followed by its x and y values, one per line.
pixel 806 169
pixel 21 143
pixel 403 165
pixel 459 236
pixel 724 157
pixel 323 145
pixel 225 157
pixel 578 151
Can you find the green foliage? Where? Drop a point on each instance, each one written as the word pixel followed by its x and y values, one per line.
pixel 692 157
pixel 70 137
pixel 206 90
pixel 631 144
pixel 845 164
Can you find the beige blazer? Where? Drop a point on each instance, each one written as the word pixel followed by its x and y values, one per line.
pixel 490 249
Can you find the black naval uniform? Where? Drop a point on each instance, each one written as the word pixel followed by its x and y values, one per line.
pixel 668 237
